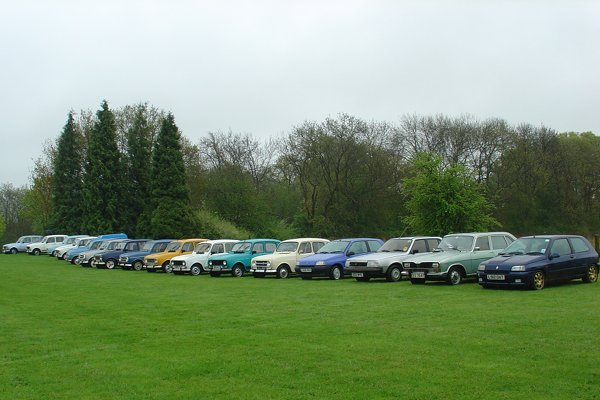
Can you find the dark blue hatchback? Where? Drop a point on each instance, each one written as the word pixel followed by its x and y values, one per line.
pixel 534 261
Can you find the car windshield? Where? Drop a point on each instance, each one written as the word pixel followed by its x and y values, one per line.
pixel 202 248
pixel 456 242
pixel 285 247
pixel 96 245
pixel 241 247
pixel 173 246
pixel 84 242
pixel 69 241
pixel 394 245
pixel 148 246
pixel 527 246
pixel 337 246
pixel 44 239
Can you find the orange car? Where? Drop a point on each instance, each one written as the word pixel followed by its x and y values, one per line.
pixel 161 261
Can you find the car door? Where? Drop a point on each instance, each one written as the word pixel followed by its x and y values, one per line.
pixel 481 252
pixel 304 250
pixel 357 248
pixel 582 256
pixel 560 259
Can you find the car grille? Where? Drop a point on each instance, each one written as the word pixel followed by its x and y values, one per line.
pixel 122 259
pixel 358 263
pixel 262 263
pixel 177 262
pixel 151 261
pixel 97 258
pixel 217 262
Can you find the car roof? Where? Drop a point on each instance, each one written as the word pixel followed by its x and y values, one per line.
pixel 550 236
pixel 306 239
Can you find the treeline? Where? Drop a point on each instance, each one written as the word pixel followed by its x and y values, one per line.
pixel 131 170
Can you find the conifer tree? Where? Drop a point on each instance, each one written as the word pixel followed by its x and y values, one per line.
pixel 67 213
pixel 103 177
pixel 171 215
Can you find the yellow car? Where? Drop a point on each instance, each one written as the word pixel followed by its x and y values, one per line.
pixel 161 261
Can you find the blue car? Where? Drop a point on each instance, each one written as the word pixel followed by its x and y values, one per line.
pixel 330 260
pixel 135 260
pixel 109 258
pixel 93 244
pixel 21 244
pixel 534 261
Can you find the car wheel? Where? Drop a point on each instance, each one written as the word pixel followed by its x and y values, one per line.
pixel 592 274
pixel 166 267
pixel 363 279
pixel 336 273
pixel 394 274
pixel 36 252
pixel 258 275
pixel 538 281
pixel 13 251
pixel 215 274
pixel 196 270
pixel 138 265
pixel 417 281
pixel 237 271
pixel 110 264
pixel 283 272
pixel 53 254
pixel 62 257
pixel 455 276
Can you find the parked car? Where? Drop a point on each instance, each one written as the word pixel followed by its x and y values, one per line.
pixel 237 261
pixel 109 258
pixel 83 244
pixel 73 254
pixel 41 247
pixel 20 245
pixel 135 260
pixel 331 259
pixel 196 263
pixel 67 243
pixel 387 261
pixel 534 261
pixel 162 261
pixel 283 261
pixel 457 257
pixel 85 259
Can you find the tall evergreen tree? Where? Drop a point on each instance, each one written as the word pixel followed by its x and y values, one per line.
pixel 171 215
pixel 103 176
pixel 68 176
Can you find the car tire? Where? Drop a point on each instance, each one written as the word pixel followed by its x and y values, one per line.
pixel 283 272
pixel 110 264
pixel 455 276
pixel 363 279
pixel 417 281
pixel 13 251
pixel 393 274
pixel 36 252
pixel 591 275
pixel 335 273
pixel 237 271
pixel 166 267
pixel 138 266
pixel 215 274
pixel 196 270
pixel 538 280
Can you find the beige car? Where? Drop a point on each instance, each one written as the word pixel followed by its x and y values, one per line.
pixel 282 262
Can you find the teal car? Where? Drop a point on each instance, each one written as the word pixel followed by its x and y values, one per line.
pixel 238 260
pixel 457 257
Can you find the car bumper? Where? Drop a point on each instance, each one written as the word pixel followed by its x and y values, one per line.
pixel 365 272
pixel 321 270
pixel 425 274
pixel 263 271
pixel 504 279
pixel 180 268
pixel 219 268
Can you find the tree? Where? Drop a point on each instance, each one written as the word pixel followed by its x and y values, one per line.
pixel 36 204
pixel 68 215
pixel 171 214
pixel 444 200
pixel 102 188
pixel 2 225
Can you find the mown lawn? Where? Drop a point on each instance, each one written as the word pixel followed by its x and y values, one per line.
pixel 69 332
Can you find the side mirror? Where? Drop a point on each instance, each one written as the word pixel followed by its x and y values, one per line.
pixel 415 251
pixel 350 253
pixel 254 252
pixel 554 255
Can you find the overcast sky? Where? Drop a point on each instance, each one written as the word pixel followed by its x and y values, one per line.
pixel 261 67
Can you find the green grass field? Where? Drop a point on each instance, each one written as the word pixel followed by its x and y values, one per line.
pixel 72 333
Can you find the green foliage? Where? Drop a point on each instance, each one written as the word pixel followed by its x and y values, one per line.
pixel 444 200
pixel 171 214
pixel 103 179
pixel 2 225
pixel 214 227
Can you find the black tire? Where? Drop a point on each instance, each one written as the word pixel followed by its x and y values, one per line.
pixel 417 281
pixel 196 269
pixel 455 276
pixel 166 267
pixel 215 274
pixel 591 274
pixel 538 280
pixel 138 266
pixel 336 273
pixel 237 271
pixel 283 272
pixel 393 274
pixel 36 252
pixel 110 264
pixel 14 251
pixel 363 279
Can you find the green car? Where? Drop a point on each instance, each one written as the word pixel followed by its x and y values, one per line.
pixel 457 257
pixel 238 260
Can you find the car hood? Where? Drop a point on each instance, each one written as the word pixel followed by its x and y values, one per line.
pixel 380 256
pixel 327 258
pixel 506 262
pixel 440 256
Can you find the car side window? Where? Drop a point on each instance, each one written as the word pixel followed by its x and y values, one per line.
pixel 229 246
pixel 270 247
pixel 419 246
pixel 50 240
pixel 304 248
pixel 433 244
pixel 579 246
pixel 317 245
pixel 560 247
pixel 483 243
pixel 374 245
pixel 217 248
pixel 187 247
pixel 498 242
pixel 258 248
pixel 358 247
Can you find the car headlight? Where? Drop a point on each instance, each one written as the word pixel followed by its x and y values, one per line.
pixel 518 268
pixel 253 263
pixel 183 263
pixel 210 263
pixel 372 264
pixel 406 265
pixel 436 267
pixel 320 263
pixel 347 263
pixel 481 267
pixel 224 263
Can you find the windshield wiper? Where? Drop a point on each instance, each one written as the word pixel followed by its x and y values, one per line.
pixel 530 253
pixel 386 251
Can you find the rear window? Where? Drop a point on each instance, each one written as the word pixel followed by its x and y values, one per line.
pixel 579 245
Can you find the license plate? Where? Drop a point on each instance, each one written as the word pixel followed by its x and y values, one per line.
pixel 305 270
pixel 216 268
pixel 496 277
pixel 357 275
pixel 417 275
